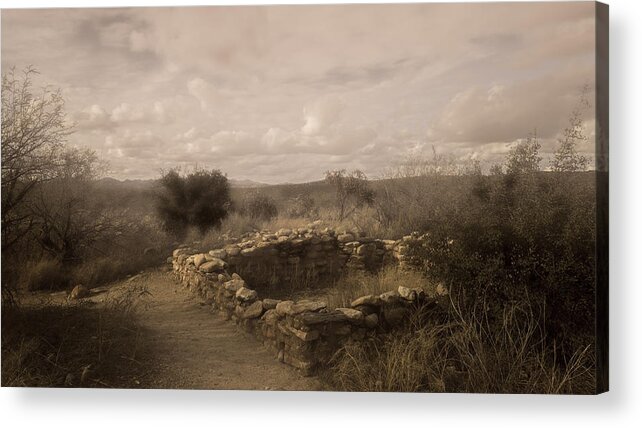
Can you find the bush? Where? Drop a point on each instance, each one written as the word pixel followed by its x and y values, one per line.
pixel 45 274
pixel 200 199
pixel 464 354
pixel 259 207
pixel 517 235
pixel 302 206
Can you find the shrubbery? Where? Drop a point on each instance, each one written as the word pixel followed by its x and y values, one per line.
pixel 259 207
pixel 200 199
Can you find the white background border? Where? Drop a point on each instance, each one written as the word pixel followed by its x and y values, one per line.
pixel 620 407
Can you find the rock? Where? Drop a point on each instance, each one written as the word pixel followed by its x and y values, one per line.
pixel 283 308
pixel 352 314
pixel 236 276
pixel 407 293
pixel 345 237
pixel 306 336
pixel 390 297
pixel 307 306
pixel 181 251
pixel 234 285
pixel 312 318
pixel 247 295
pixel 219 254
pixel 290 308
pixel 369 300
pixel 270 303
pixel 247 252
pixel 213 266
pixel 255 310
pixel 270 317
pixel 371 321
pixel 284 232
pixel 233 251
pixel 199 259
pixel 170 259
pixel 223 277
pixel 79 292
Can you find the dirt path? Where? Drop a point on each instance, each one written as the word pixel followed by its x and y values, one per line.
pixel 193 348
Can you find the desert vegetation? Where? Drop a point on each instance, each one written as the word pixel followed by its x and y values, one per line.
pixel 510 256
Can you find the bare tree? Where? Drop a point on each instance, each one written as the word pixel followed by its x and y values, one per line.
pixel 352 190
pixel 34 129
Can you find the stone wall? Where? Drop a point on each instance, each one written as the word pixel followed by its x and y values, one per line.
pixel 311 253
pixel 304 334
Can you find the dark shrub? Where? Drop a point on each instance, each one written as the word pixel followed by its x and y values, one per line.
pixel 200 199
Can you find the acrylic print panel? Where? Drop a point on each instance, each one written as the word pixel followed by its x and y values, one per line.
pixel 391 197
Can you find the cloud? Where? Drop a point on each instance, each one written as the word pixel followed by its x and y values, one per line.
pixel 506 112
pixel 287 92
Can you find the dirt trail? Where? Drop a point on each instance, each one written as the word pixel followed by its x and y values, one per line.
pixel 193 348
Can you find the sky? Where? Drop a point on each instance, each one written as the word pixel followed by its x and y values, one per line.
pixel 284 93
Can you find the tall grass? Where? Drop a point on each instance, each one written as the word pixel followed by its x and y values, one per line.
pixel 469 353
pixel 355 284
pixel 78 344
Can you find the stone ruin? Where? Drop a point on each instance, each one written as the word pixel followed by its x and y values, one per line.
pixel 304 334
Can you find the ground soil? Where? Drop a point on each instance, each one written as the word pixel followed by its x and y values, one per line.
pixel 192 347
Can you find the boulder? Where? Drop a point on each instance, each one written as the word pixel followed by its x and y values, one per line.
pixel 233 251
pixel 79 292
pixel 391 298
pixel 213 266
pixel 255 310
pixel 345 237
pixel 245 294
pixel 219 254
pixel 312 318
pixel 290 308
pixel 284 232
pixel 407 293
pixel 199 259
pixel 284 308
pixel 270 304
pixel 234 285
pixel 353 314
pixel 307 306
pixel 369 300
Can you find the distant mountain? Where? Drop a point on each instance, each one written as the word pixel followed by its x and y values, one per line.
pixel 246 183
pixel 149 183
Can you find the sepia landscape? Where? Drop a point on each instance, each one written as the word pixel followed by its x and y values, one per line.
pixel 382 198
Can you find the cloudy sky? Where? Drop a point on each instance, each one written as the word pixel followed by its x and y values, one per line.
pixel 284 93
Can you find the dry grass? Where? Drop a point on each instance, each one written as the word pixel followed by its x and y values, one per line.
pixel 356 284
pixel 466 354
pixel 74 344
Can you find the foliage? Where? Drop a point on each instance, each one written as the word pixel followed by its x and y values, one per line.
pixel 566 158
pixel 45 274
pixel 352 191
pixel 523 156
pixel 74 344
pixel 531 233
pixel 302 206
pixel 466 353
pixel 200 199
pixel 258 206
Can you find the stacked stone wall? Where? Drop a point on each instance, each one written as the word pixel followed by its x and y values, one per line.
pixel 304 334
